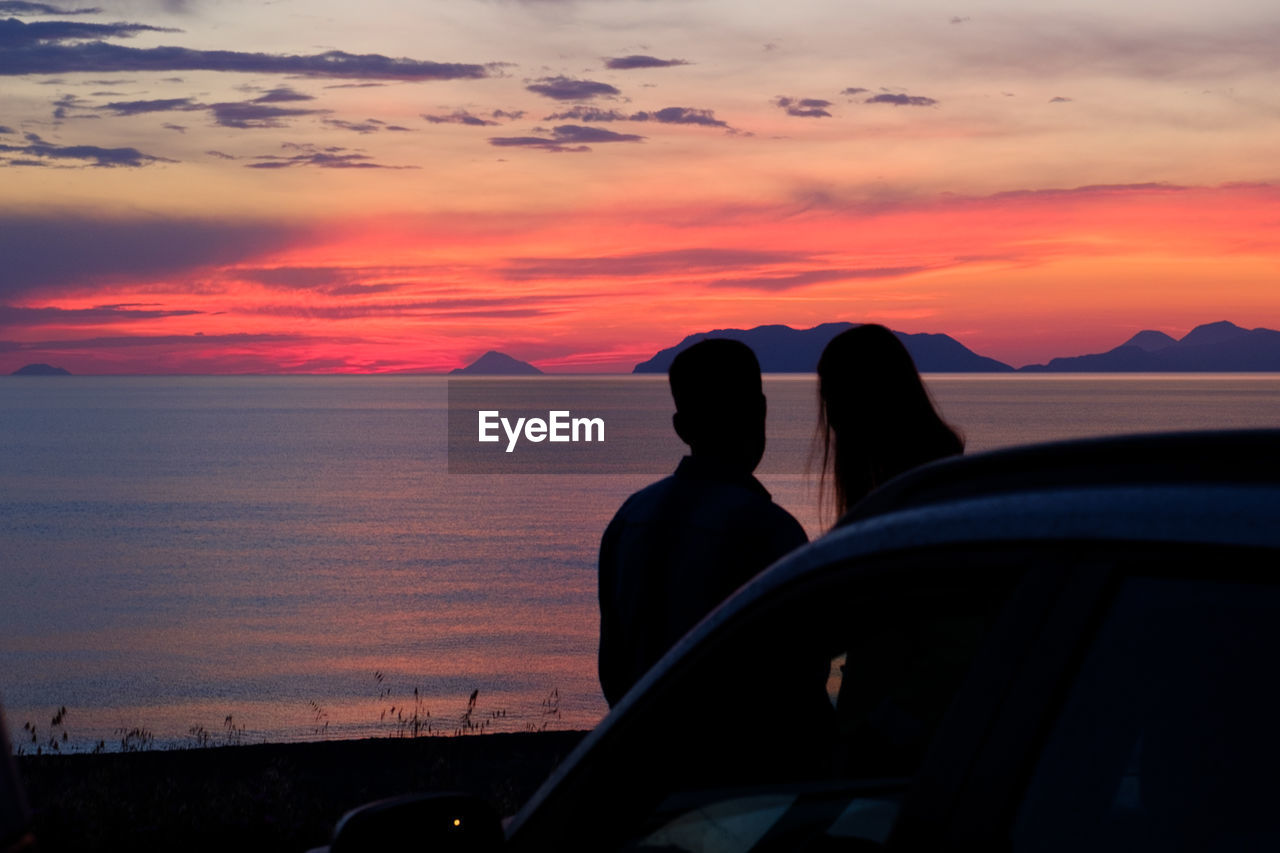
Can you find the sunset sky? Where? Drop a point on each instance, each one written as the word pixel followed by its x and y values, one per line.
pixel 224 186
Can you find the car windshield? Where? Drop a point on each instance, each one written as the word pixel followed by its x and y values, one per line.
pixel 780 819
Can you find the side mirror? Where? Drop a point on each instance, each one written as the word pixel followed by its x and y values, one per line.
pixel 454 823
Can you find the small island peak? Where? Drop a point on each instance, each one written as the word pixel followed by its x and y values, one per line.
pixel 40 369
pixel 494 363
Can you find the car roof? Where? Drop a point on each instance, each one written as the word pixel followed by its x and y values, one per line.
pixel 1220 456
pixel 1220 487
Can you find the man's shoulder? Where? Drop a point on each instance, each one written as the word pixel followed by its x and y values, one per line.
pixel 677 489
pixel 781 527
pixel 709 503
pixel 774 511
pixel 653 493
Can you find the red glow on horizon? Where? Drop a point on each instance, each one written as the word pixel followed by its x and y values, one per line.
pixel 1019 277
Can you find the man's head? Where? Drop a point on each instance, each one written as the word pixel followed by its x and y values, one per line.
pixel 720 405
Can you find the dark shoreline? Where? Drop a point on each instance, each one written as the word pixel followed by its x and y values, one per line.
pixel 267 796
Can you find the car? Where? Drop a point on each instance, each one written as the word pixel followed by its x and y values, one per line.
pixel 1059 647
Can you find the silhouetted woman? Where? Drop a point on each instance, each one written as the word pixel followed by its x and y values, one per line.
pixel 875 418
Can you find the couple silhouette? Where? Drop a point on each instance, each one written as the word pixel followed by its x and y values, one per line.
pixel 679 547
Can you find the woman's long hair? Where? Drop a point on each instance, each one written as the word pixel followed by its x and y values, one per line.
pixel 875 417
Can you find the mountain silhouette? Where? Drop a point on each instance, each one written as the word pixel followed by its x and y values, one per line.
pixel 1220 347
pixel 497 364
pixel 782 349
pixel 40 370
pixel 1150 341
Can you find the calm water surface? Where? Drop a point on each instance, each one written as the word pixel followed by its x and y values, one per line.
pixel 177 550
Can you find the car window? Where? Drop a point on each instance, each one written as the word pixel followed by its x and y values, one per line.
pixel 1168 739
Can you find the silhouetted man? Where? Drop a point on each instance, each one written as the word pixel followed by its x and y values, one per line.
pixel 679 547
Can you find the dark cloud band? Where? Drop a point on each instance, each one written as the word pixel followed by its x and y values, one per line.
pixel 20 7
pixel 901 100
pixel 13 316
pixel 331 157
pixel 56 253
pixel 803 107
pixel 15 34
pixel 666 115
pixel 109 58
pixel 460 117
pixel 569 138
pixel 282 94
pixel 627 63
pixel 569 89
pixel 87 155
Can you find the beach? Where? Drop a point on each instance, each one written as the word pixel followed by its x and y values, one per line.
pixel 284 796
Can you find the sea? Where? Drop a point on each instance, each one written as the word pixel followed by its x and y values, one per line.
pixel 205 560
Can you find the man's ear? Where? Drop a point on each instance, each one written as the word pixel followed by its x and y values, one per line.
pixel 681 428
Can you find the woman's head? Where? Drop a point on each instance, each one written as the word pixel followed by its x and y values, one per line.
pixel 875 417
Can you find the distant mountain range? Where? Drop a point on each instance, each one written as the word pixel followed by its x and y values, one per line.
pixel 496 364
pixel 782 349
pixel 40 370
pixel 1214 347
